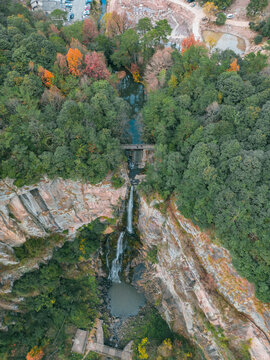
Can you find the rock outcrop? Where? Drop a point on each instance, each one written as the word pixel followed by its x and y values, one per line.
pixel 196 288
pixel 49 206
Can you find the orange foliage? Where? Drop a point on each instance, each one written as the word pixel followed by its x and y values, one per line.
pixel 74 59
pixel 46 76
pixel 234 66
pixel 188 42
pixel 35 354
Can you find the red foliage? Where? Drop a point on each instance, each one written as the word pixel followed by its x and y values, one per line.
pixel 188 42
pixel 90 31
pixel 74 59
pixel 96 66
pixel 46 76
pixel 61 61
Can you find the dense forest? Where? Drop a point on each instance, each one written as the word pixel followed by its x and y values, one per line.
pixel 61 115
pixel 60 112
pixel 58 298
pixel 211 125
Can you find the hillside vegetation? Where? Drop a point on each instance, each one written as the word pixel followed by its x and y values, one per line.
pixel 211 124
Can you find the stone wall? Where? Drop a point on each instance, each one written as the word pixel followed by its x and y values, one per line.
pixel 196 288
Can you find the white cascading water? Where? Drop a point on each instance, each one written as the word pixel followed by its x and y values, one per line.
pixel 117 262
pixel 129 211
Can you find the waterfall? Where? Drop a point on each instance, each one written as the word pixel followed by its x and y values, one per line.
pixel 129 211
pixel 117 262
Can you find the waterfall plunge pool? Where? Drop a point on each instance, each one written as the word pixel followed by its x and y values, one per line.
pixel 125 300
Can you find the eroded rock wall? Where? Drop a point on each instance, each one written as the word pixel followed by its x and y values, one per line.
pixel 46 207
pixel 196 288
pixel 53 205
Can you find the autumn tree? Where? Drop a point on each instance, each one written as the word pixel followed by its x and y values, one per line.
pixel 76 44
pixel 96 66
pixel 234 66
pixel 61 62
pixel 115 23
pixel 74 59
pixel 90 31
pixel 188 42
pixel 46 76
pixel 209 8
pixel 136 73
pixel 53 97
pixel 35 354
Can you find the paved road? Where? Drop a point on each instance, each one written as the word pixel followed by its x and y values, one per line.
pixel 77 9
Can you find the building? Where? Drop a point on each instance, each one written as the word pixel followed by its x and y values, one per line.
pixel 47 5
pixel 80 341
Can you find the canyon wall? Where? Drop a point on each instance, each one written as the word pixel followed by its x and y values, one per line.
pixel 47 207
pixel 196 288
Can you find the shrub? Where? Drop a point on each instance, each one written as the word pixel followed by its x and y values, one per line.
pixel 117 181
pixel 258 39
pixel 221 19
pixel 152 255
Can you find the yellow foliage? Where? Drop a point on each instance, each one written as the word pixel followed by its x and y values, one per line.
pixel 209 8
pixel 141 349
pixel 168 343
pixel 173 82
pixel 212 41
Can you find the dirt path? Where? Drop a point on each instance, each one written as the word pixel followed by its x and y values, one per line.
pixel 185 19
pixel 197 13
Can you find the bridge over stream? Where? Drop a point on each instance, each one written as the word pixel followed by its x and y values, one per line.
pixel 139 153
pixel 138 147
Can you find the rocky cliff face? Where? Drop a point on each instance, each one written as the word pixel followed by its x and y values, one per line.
pixel 196 288
pixel 45 207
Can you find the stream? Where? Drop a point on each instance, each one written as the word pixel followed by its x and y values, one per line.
pixel 124 299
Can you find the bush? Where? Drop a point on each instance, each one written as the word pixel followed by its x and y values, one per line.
pixel 221 19
pixel 152 255
pixel 258 39
pixel 117 181
pixel 255 7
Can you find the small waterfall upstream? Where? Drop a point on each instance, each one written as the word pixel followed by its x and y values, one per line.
pixel 117 262
pixel 124 299
pixel 130 211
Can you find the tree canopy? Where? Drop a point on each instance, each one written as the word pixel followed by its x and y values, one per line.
pixel 212 135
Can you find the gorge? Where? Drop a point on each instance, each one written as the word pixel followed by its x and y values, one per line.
pixel 165 247
pixel 192 282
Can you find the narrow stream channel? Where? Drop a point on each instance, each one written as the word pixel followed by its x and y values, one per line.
pixel 124 299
